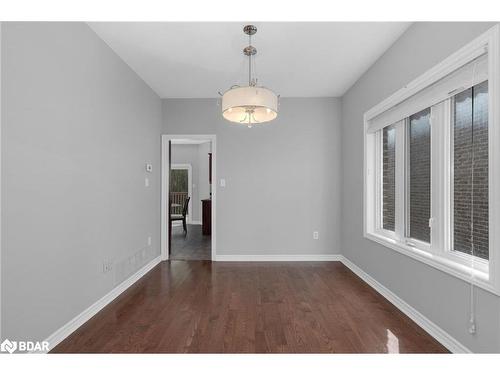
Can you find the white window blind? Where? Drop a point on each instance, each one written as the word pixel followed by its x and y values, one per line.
pixel 474 72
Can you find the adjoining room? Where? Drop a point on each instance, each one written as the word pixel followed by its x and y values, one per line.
pixel 190 199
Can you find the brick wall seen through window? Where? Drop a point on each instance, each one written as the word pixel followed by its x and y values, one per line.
pixel 470 133
pixel 419 185
pixel 388 177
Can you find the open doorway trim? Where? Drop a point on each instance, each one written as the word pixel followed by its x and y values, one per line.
pixel 165 138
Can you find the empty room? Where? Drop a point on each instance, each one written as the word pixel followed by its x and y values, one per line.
pixel 225 186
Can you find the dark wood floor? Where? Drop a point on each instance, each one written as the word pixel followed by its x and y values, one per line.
pixel 205 307
pixel 191 246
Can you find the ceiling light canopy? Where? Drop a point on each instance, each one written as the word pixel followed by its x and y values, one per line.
pixel 252 104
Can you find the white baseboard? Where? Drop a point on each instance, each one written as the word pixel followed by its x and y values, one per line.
pixel 195 222
pixel 426 324
pixel 88 313
pixel 279 258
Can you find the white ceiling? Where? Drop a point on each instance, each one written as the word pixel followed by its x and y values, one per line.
pixel 198 59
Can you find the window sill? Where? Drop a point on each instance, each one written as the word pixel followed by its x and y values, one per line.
pixel 479 278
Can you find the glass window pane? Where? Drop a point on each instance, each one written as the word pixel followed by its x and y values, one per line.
pixel 179 180
pixel 388 177
pixel 470 153
pixel 419 186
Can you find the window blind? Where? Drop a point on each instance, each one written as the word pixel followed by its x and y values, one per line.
pixel 470 74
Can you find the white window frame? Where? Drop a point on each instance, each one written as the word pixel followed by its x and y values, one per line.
pixel 485 274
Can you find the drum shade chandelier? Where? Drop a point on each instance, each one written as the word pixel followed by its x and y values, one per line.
pixel 252 104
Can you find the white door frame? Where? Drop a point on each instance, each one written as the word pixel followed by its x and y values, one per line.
pixel 165 138
pixel 190 187
pixel 1 337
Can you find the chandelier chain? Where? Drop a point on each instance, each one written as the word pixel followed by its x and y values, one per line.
pixel 249 61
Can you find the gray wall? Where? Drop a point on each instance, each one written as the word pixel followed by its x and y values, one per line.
pixel 282 178
pixel 78 126
pixel 439 296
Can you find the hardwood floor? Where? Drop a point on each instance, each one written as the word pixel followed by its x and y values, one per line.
pixel 193 246
pixel 205 307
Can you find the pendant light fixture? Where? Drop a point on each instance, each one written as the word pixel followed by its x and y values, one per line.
pixel 252 104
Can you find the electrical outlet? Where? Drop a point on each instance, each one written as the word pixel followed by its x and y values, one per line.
pixel 316 235
pixel 149 240
pixel 107 266
pixel 472 327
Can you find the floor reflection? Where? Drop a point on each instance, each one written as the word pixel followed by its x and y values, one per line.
pixel 392 342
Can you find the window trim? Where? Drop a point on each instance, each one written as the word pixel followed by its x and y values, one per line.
pixel 485 274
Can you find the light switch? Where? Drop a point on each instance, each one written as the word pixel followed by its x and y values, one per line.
pixel 222 182
pixel 146 182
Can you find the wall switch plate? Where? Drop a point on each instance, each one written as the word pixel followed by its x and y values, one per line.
pixel 149 167
pixel 222 182
pixel 149 240
pixel 316 235
pixel 146 182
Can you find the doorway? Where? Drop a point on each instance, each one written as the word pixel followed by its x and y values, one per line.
pixel 188 202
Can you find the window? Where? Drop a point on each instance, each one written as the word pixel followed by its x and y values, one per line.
pixel 179 189
pixel 470 171
pixel 389 178
pixel 180 179
pixel 419 169
pixel 432 166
